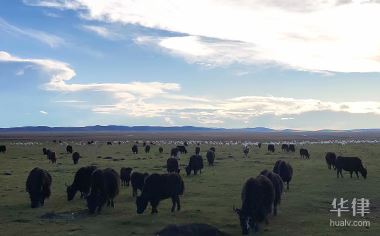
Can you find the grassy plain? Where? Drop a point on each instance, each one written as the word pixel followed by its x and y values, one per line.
pixel 208 197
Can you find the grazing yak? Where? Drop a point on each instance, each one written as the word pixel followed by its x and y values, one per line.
pixel 69 149
pixel 246 151
pixel 182 149
pixel 160 149
pixel 159 187
pixel 257 201
pixel 109 143
pixel 185 144
pixel 147 148
pixel 259 145
pixel 210 157
pixel 3 148
pixel 52 157
pixel 195 165
pixel 135 149
pixel 174 153
pixel 104 188
pixel 271 148
pixel 44 151
pixel 137 182
pixel 285 147
pixel 81 183
pixel 76 157
pixel 193 229
pixel 304 153
pixel 284 170
pixel 292 147
pixel 172 165
pixel 213 149
pixel 125 175
pixel 38 186
pixel 197 150
pixel 278 186
pixel 330 160
pixel 351 164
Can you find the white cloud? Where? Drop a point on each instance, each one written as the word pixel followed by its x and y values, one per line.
pixel 49 39
pixel 169 120
pixel 287 118
pixel 314 35
pixel 44 112
pixel 166 100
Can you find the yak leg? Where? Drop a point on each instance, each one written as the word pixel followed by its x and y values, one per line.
pixel 178 203
pixel 154 204
pixel 173 203
pixel 287 185
pixel 357 175
pixel 351 174
pixel 134 193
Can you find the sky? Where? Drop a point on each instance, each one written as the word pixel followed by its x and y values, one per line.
pixel 310 64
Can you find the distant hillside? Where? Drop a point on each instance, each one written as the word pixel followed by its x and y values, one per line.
pixel 120 128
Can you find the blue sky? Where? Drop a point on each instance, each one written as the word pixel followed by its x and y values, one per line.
pixel 299 64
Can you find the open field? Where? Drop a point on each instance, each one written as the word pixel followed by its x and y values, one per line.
pixel 208 197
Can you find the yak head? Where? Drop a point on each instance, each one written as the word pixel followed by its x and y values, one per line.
pixel 92 203
pixel 36 199
pixel 70 192
pixel 246 222
pixel 141 204
pixel 363 171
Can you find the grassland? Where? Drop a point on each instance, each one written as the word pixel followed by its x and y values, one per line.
pixel 208 197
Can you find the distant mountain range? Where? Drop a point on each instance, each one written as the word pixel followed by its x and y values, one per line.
pixel 119 128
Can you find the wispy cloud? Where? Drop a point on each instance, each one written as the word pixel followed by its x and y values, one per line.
pixel 46 38
pixel 44 112
pixel 305 35
pixel 102 31
pixel 167 100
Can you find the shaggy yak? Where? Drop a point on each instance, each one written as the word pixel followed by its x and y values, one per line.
pixel 159 187
pixel 284 170
pixel 38 186
pixel 195 165
pixel 210 157
pixel 278 186
pixel 75 157
pixel 257 201
pixel 137 182
pixel 172 165
pixel 104 188
pixel 330 160
pixel 81 183
pixel 125 175
pixel 351 164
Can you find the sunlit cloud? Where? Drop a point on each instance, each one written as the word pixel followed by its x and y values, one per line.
pixel 44 112
pixel 101 31
pixel 170 102
pixel 303 35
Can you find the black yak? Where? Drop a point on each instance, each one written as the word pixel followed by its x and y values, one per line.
pixel 193 229
pixel 257 199
pixel 174 152
pixel 330 160
pixel 44 151
pixel 109 143
pixel 76 157
pixel 246 151
pixel 195 164
pixel 197 150
pixel 159 187
pixel 160 149
pixel 81 183
pixel 38 186
pixel 135 149
pixel 278 186
pixel 69 149
pixel 104 188
pixel 182 149
pixel 284 170
pixel 52 157
pixel 137 182
pixel 271 148
pixel 147 148
pixel 285 147
pixel 292 147
pixel 304 153
pixel 172 165
pixel 210 155
pixel 3 148
pixel 125 175
pixel 259 145
pixel 213 149
pixel 351 164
